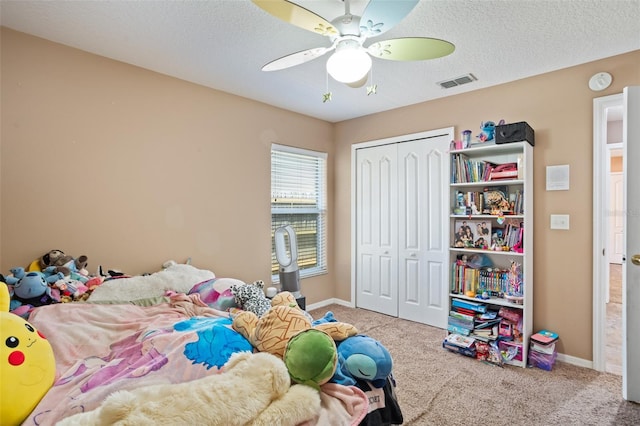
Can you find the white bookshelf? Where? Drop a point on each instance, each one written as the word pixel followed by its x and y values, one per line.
pixel 500 257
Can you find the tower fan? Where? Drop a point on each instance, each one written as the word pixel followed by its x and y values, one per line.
pixel 287 257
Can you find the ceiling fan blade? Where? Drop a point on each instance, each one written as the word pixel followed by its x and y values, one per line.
pixel 296 58
pixel 382 15
pixel 296 15
pixel 411 49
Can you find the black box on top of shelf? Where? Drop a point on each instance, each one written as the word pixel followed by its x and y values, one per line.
pixel 515 132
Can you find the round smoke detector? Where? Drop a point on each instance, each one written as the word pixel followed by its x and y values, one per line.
pixel 600 81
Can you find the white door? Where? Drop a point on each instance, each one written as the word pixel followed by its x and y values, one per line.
pixel 423 168
pixel 616 220
pixel 631 268
pixel 377 229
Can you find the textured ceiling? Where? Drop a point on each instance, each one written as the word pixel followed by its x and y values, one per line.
pixel 224 43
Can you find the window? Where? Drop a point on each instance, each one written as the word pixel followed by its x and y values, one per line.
pixel 298 198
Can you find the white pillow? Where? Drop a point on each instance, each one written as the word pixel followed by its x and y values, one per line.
pixel 177 277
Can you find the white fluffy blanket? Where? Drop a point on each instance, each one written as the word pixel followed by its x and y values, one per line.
pixel 252 389
pixel 178 277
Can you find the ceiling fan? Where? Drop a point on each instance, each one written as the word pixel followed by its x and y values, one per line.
pixel 351 61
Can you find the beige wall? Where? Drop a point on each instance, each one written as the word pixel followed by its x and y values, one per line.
pixel 559 107
pixel 133 168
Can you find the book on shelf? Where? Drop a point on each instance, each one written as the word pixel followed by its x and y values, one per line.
pixel 470 351
pixel 504 171
pixel 468 304
pixel 460 323
pixel 486 334
pixel 489 315
pixel 511 314
pixel 458 330
pixel 479 325
pixel 544 337
pixel 459 340
pixel 463 316
pixel 465 170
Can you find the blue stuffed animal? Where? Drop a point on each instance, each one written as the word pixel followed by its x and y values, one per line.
pixel 488 130
pixel 362 357
pixel 31 287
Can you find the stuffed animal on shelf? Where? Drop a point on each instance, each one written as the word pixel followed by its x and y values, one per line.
pixel 488 130
pixel 27 364
pixel 362 357
pixel 251 389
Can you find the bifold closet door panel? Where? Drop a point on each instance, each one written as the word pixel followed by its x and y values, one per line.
pixel 376 229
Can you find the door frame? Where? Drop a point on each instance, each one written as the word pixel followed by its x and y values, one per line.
pixel 445 131
pixel 601 225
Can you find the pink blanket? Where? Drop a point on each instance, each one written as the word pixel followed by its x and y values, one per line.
pixel 103 348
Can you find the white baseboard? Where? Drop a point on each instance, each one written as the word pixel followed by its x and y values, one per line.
pixel 575 361
pixel 328 302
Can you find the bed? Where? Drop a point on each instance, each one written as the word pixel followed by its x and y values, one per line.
pixel 148 330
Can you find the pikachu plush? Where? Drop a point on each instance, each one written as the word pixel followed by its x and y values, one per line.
pixel 27 365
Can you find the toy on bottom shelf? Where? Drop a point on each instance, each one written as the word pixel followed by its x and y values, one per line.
pixel 27 365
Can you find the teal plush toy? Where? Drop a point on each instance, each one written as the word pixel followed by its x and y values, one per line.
pixel 362 357
pixel 31 287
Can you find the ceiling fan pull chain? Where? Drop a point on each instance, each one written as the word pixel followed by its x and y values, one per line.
pixel 326 96
pixel 372 89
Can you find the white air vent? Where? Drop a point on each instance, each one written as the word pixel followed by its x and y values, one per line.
pixel 447 84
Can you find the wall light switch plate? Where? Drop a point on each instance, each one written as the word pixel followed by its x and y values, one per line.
pixel 560 221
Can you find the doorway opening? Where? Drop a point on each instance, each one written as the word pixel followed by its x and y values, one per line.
pixel 608 234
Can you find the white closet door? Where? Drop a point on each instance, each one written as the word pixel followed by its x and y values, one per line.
pixel 422 237
pixel 377 229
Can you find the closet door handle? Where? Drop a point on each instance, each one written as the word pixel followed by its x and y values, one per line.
pixel 413 255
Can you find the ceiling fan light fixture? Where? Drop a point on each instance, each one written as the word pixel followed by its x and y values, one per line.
pixel 349 64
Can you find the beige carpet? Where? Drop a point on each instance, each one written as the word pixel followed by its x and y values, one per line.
pixel 436 387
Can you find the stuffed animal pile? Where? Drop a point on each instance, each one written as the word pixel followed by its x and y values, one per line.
pixel 315 352
pixel 53 277
pixel 285 330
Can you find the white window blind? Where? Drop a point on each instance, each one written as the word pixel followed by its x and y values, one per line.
pixel 298 198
